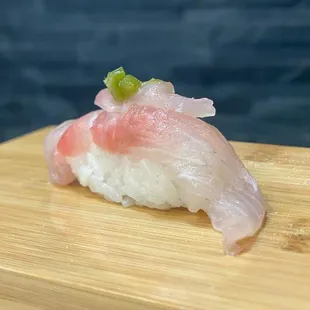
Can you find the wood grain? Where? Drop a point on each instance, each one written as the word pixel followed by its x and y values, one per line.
pixel 66 248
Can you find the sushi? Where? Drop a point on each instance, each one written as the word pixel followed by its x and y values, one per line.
pixel 145 145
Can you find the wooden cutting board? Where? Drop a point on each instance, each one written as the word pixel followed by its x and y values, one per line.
pixel 66 248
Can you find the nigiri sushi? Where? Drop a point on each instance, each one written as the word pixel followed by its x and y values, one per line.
pixel 145 145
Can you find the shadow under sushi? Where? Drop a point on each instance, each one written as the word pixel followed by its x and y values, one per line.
pixel 199 219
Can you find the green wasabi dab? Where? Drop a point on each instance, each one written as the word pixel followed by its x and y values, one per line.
pixel 123 86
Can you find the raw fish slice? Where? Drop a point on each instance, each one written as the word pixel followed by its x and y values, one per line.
pixel 70 138
pixel 198 159
pixel 160 95
pixel 59 170
pixel 77 139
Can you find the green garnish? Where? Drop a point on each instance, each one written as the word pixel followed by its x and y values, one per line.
pixel 112 82
pixel 123 86
pixel 130 85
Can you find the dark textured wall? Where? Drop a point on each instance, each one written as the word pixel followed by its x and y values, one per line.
pixel 252 57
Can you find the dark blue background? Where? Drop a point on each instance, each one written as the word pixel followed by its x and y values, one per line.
pixel 252 57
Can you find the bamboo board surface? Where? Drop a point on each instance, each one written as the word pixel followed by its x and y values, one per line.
pixel 66 248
